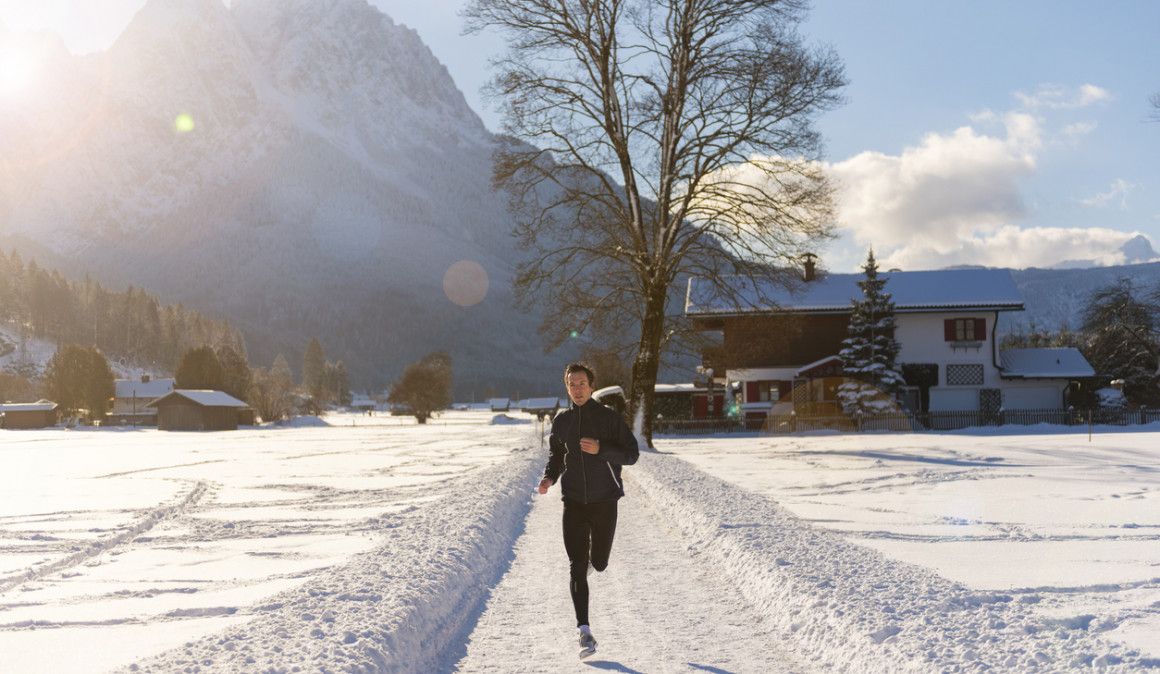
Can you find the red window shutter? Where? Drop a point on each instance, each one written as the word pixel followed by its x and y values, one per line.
pixel 949 330
pixel 980 329
pixel 752 394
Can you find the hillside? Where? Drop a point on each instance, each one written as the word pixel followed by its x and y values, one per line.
pixel 303 168
pixel 1057 297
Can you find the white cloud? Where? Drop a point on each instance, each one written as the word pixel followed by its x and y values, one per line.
pixel 1054 96
pixel 1118 191
pixel 949 188
pixel 956 199
pixel 1074 131
pixel 1012 246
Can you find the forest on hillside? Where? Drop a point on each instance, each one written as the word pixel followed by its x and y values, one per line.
pixel 131 327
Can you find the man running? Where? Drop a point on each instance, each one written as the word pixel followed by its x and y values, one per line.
pixel 589 443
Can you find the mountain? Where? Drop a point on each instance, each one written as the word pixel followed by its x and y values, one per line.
pixel 1057 297
pixel 1136 250
pixel 302 167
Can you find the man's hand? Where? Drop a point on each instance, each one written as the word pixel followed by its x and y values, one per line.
pixel 589 445
pixel 544 485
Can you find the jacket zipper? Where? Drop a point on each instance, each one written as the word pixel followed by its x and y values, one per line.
pixel 583 469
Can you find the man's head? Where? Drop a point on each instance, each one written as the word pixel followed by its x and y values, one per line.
pixel 579 379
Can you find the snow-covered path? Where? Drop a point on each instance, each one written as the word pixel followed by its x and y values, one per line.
pixel 656 609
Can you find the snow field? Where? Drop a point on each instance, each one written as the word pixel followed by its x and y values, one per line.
pixel 850 608
pixel 402 607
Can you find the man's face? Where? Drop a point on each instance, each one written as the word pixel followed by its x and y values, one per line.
pixel 579 390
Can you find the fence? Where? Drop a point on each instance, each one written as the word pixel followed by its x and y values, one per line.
pixel 904 422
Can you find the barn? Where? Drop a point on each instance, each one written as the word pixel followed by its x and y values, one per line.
pixel 197 410
pixel 40 414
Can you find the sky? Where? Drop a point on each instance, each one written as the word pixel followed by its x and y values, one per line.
pixel 984 133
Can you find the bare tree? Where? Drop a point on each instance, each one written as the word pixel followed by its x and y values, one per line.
pixel 654 141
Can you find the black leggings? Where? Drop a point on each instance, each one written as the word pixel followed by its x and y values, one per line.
pixel 588 532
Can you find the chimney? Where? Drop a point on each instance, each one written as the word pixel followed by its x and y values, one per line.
pixel 808 263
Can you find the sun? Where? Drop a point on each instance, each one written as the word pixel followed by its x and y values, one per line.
pixel 17 72
pixel 21 63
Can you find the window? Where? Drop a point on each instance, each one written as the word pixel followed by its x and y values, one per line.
pixel 765 391
pixel 965 329
pixel 964 375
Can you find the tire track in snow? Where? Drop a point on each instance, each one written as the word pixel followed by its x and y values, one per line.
pixel 96 548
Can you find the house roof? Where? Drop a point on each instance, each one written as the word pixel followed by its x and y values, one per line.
pixel 202 397
pixel 540 403
pixel 135 388
pixel 1056 363
pixel 912 292
pixel 817 363
pixel 39 406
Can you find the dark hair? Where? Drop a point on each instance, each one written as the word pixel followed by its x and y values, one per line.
pixel 572 368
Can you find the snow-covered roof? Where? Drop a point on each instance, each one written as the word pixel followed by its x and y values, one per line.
pixel 135 388
pixel 678 388
pixel 1050 363
pixel 40 406
pixel 912 291
pixel 540 404
pixel 204 398
pixel 810 366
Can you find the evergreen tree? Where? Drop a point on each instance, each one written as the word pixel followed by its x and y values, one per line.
pixel 337 384
pixel 869 352
pixel 425 387
pixel 236 376
pixel 79 378
pixel 314 370
pixel 199 369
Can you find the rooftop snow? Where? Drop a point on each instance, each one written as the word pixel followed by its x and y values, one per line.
pixel 133 388
pixel 1045 363
pixel 203 397
pixel 28 407
pixel 911 291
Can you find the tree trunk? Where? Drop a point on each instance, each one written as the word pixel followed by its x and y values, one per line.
pixel 647 363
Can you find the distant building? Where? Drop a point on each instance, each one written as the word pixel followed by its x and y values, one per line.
pixel 543 408
pixel 500 404
pixel 40 414
pixel 131 398
pixel 363 403
pixel 199 410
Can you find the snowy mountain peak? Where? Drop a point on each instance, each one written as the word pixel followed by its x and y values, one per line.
pixel 1138 249
pixel 345 61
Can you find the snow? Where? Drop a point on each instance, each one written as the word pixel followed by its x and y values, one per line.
pixel 1061 362
pixel 206 398
pixel 911 291
pixel 135 388
pixel 375 544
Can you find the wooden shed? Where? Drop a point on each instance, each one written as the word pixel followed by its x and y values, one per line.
pixel 40 414
pixel 197 410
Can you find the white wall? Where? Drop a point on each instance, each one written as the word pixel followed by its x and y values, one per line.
pixel 1036 395
pixel 922 340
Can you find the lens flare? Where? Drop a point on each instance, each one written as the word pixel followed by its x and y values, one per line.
pixel 18 71
pixel 183 123
pixel 465 283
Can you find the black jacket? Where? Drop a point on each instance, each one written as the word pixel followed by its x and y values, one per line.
pixel 590 478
